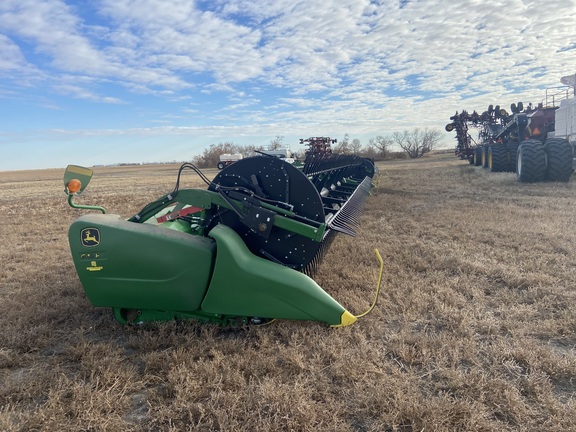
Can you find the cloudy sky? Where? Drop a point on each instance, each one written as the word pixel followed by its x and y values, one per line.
pixel 104 81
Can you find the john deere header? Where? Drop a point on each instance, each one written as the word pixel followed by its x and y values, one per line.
pixel 241 251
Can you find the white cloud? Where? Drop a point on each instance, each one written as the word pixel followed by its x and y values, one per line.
pixel 81 93
pixel 356 65
pixel 11 58
pixel 303 45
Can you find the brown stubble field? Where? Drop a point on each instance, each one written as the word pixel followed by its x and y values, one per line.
pixel 475 329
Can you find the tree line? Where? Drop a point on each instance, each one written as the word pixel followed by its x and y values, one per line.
pixel 413 143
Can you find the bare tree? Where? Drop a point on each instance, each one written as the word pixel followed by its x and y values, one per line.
pixel 356 146
pixel 276 143
pixel 211 156
pixel 343 146
pixel 369 152
pixel 250 150
pixel 417 142
pixel 381 144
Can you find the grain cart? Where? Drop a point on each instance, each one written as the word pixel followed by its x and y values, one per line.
pixel 244 250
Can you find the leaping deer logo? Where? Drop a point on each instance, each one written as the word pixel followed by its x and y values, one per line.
pixel 90 237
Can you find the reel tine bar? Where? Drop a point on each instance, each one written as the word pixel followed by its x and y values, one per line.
pixel 348 216
pixel 344 183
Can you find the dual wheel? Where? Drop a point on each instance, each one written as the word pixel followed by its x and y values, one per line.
pixel 478 156
pixel 551 162
pixel 531 160
pixel 498 157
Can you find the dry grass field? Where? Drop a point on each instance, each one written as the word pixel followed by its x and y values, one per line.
pixel 475 329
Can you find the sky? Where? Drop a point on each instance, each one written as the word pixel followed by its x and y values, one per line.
pixel 93 82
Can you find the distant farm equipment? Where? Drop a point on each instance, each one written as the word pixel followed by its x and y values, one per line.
pixel 228 159
pixel 318 145
pixel 282 153
pixel 535 142
pixel 244 250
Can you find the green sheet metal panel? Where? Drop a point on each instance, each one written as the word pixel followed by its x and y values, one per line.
pixel 139 266
pixel 246 285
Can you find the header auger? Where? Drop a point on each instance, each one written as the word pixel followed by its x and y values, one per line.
pixel 244 250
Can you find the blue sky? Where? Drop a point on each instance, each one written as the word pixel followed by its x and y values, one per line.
pixel 107 81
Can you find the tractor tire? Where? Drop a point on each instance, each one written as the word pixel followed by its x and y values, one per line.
pixel 478 156
pixel 559 154
pixel 497 158
pixel 485 156
pixel 512 148
pixel 220 165
pixel 530 162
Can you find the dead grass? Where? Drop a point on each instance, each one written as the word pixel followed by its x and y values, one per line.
pixel 475 328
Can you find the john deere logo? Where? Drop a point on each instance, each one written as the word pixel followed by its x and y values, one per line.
pixel 90 237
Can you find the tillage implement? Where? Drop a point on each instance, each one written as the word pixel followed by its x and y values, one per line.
pixel 242 251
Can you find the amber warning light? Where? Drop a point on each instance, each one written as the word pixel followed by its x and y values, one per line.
pixel 74 186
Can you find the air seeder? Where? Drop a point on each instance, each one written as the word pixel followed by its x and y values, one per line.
pixel 244 250
pixel 536 142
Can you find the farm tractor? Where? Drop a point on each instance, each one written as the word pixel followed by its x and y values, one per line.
pixel 534 142
pixel 242 251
